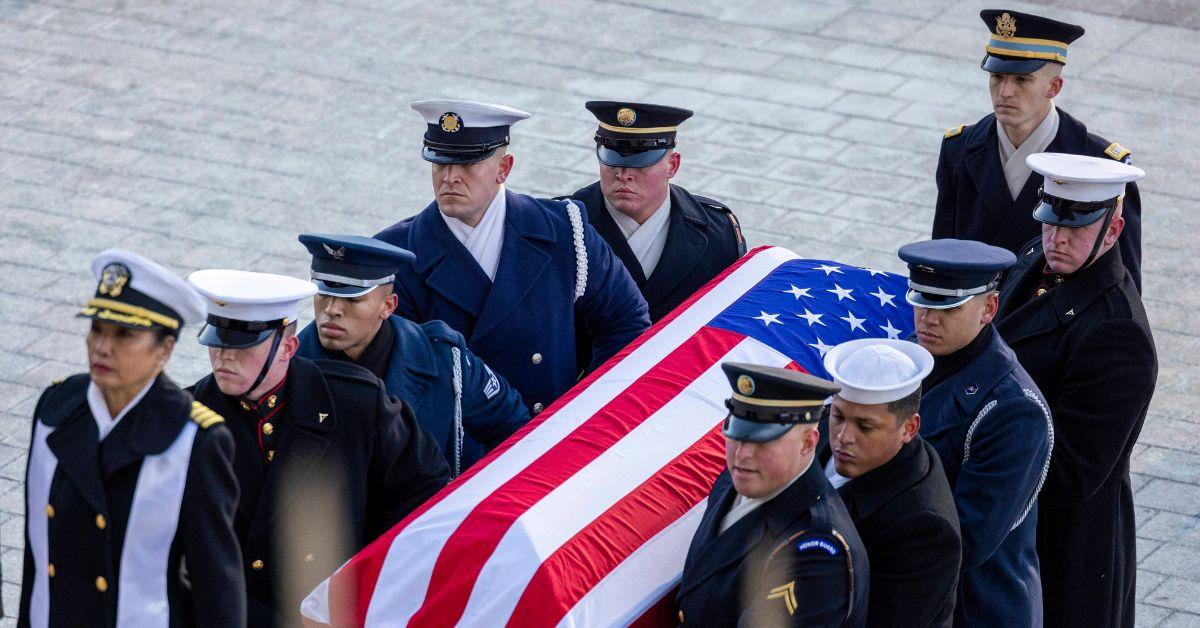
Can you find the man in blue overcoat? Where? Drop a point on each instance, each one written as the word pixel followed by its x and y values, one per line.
pixel 989 424
pixel 466 407
pixel 510 272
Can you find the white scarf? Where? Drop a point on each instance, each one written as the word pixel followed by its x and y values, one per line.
pixel 484 240
pixel 743 505
pixel 836 479
pixel 105 422
pixel 1016 173
pixel 647 239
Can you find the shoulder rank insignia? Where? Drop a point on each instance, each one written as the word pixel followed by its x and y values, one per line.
pixel 1116 151
pixel 952 131
pixel 204 417
pixel 787 593
pixel 58 381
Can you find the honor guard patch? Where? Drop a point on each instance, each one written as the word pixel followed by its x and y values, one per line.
pixel 1116 151
pixel 493 384
pixel 626 116
pixel 952 131
pixel 450 122
pixel 808 545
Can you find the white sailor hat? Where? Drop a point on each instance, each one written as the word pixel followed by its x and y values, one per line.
pixel 245 308
pixel 878 370
pixel 1078 190
pixel 135 292
pixel 464 131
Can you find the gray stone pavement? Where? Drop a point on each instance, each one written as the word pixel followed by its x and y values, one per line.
pixel 209 133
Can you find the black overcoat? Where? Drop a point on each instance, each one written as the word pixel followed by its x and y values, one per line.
pixel 795 561
pixel 973 201
pixel 349 460
pixel 92 493
pixel 1087 345
pixel 904 512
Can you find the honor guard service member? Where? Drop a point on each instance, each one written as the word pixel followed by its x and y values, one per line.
pixel 671 241
pixel 989 424
pixel 512 273
pixel 776 546
pixel 466 407
pixel 1071 313
pixel 892 481
pixel 326 459
pixel 130 491
pixel 985 190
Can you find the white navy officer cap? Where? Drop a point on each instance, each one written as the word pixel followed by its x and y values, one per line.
pixel 135 292
pixel 1078 190
pixel 465 131
pixel 878 370
pixel 245 308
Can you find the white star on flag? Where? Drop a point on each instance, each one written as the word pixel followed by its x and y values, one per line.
pixel 842 293
pixel 821 346
pixel 892 332
pixel 855 322
pixel 798 292
pixel 813 319
pixel 884 298
pixel 767 319
pixel 829 269
pixel 874 272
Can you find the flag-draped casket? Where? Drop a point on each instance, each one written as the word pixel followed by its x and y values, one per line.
pixel 584 516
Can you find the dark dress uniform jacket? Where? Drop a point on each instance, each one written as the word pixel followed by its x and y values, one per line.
pixel 522 324
pixel 349 458
pixel 974 203
pixel 93 492
pixel 990 427
pixel 794 561
pixel 703 239
pixel 905 514
pixel 1088 346
pixel 421 372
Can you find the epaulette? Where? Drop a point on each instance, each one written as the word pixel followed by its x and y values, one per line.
pixel 441 332
pixel 58 381
pixel 713 203
pixel 952 131
pixel 204 416
pixel 1116 151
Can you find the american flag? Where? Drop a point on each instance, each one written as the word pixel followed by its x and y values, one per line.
pixel 584 516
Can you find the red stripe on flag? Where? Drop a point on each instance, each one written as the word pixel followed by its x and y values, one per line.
pixel 465 553
pixel 583 561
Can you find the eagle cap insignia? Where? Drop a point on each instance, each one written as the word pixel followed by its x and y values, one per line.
pixel 113 279
pixel 450 122
pixel 745 384
pixel 337 253
pixel 1006 25
pixel 626 116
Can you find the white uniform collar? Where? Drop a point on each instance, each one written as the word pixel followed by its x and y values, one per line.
pixel 648 239
pixel 1016 172
pixel 485 240
pixel 105 422
pixel 836 479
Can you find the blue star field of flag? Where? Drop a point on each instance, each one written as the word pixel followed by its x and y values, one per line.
pixel 806 307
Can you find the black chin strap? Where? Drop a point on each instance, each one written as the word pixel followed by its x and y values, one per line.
pixel 262 374
pixel 1108 217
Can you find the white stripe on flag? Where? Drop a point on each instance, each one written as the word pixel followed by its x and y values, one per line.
pixel 414 552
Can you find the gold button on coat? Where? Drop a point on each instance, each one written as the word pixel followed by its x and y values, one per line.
pixel 50 511
pixel 537 407
pixel 308 558
pixel 270 455
pixel 536 358
pixel 101 522
pixel 268 429
pixel 101 584
pixel 681 616
pixel 50 570
pixel 257 565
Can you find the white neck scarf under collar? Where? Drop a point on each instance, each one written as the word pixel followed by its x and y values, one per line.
pixel 105 422
pixel 647 239
pixel 1016 173
pixel 484 240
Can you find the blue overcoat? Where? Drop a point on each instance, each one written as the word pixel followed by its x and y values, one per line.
pixel 421 373
pixel 992 430
pixel 522 324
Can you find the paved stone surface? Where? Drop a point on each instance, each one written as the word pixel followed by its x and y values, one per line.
pixel 210 133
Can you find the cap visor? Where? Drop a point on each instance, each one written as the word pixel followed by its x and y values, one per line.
pixel 1045 214
pixel 934 302
pixel 221 338
pixel 429 154
pixel 1004 65
pixel 116 318
pixel 643 159
pixel 754 432
pixel 333 289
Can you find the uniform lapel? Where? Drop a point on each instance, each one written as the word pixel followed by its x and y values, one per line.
pixel 447 266
pixel 75 443
pixel 986 171
pixel 522 261
pixel 712 550
pixel 684 247
pixel 412 371
pixel 148 429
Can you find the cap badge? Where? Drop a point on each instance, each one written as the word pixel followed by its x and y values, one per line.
pixel 745 384
pixel 113 279
pixel 925 269
pixel 337 253
pixel 626 116
pixel 1006 25
pixel 450 122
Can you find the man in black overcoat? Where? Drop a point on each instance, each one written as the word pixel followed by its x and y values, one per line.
pixel 1072 314
pixel 892 482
